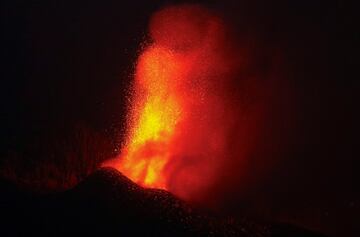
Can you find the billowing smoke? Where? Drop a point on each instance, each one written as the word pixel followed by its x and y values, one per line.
pixel 202 118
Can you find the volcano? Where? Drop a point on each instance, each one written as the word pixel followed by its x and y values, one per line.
pixel 107 202
pixel 219 118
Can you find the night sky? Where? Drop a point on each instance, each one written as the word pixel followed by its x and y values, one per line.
pixel 68 65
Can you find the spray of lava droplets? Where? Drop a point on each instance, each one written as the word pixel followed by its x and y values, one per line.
pixel 180 115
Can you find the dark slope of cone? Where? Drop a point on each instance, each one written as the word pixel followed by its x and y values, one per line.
pixel 136 210
pixel 109 203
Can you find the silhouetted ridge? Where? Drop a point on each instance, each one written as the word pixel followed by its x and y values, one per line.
pixel 108 203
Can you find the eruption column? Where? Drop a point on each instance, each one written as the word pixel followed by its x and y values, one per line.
pixel 176 129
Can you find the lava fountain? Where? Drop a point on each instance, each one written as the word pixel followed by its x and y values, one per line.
pixel 184 113
pixel 162 102
pixel 169 91
pixel 155 114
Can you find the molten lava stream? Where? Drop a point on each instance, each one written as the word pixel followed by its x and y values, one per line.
pixel 156 111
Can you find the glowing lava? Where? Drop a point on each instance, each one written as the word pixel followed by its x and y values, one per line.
pixel 156 112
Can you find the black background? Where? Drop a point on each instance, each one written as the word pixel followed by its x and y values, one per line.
pixel 67 64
